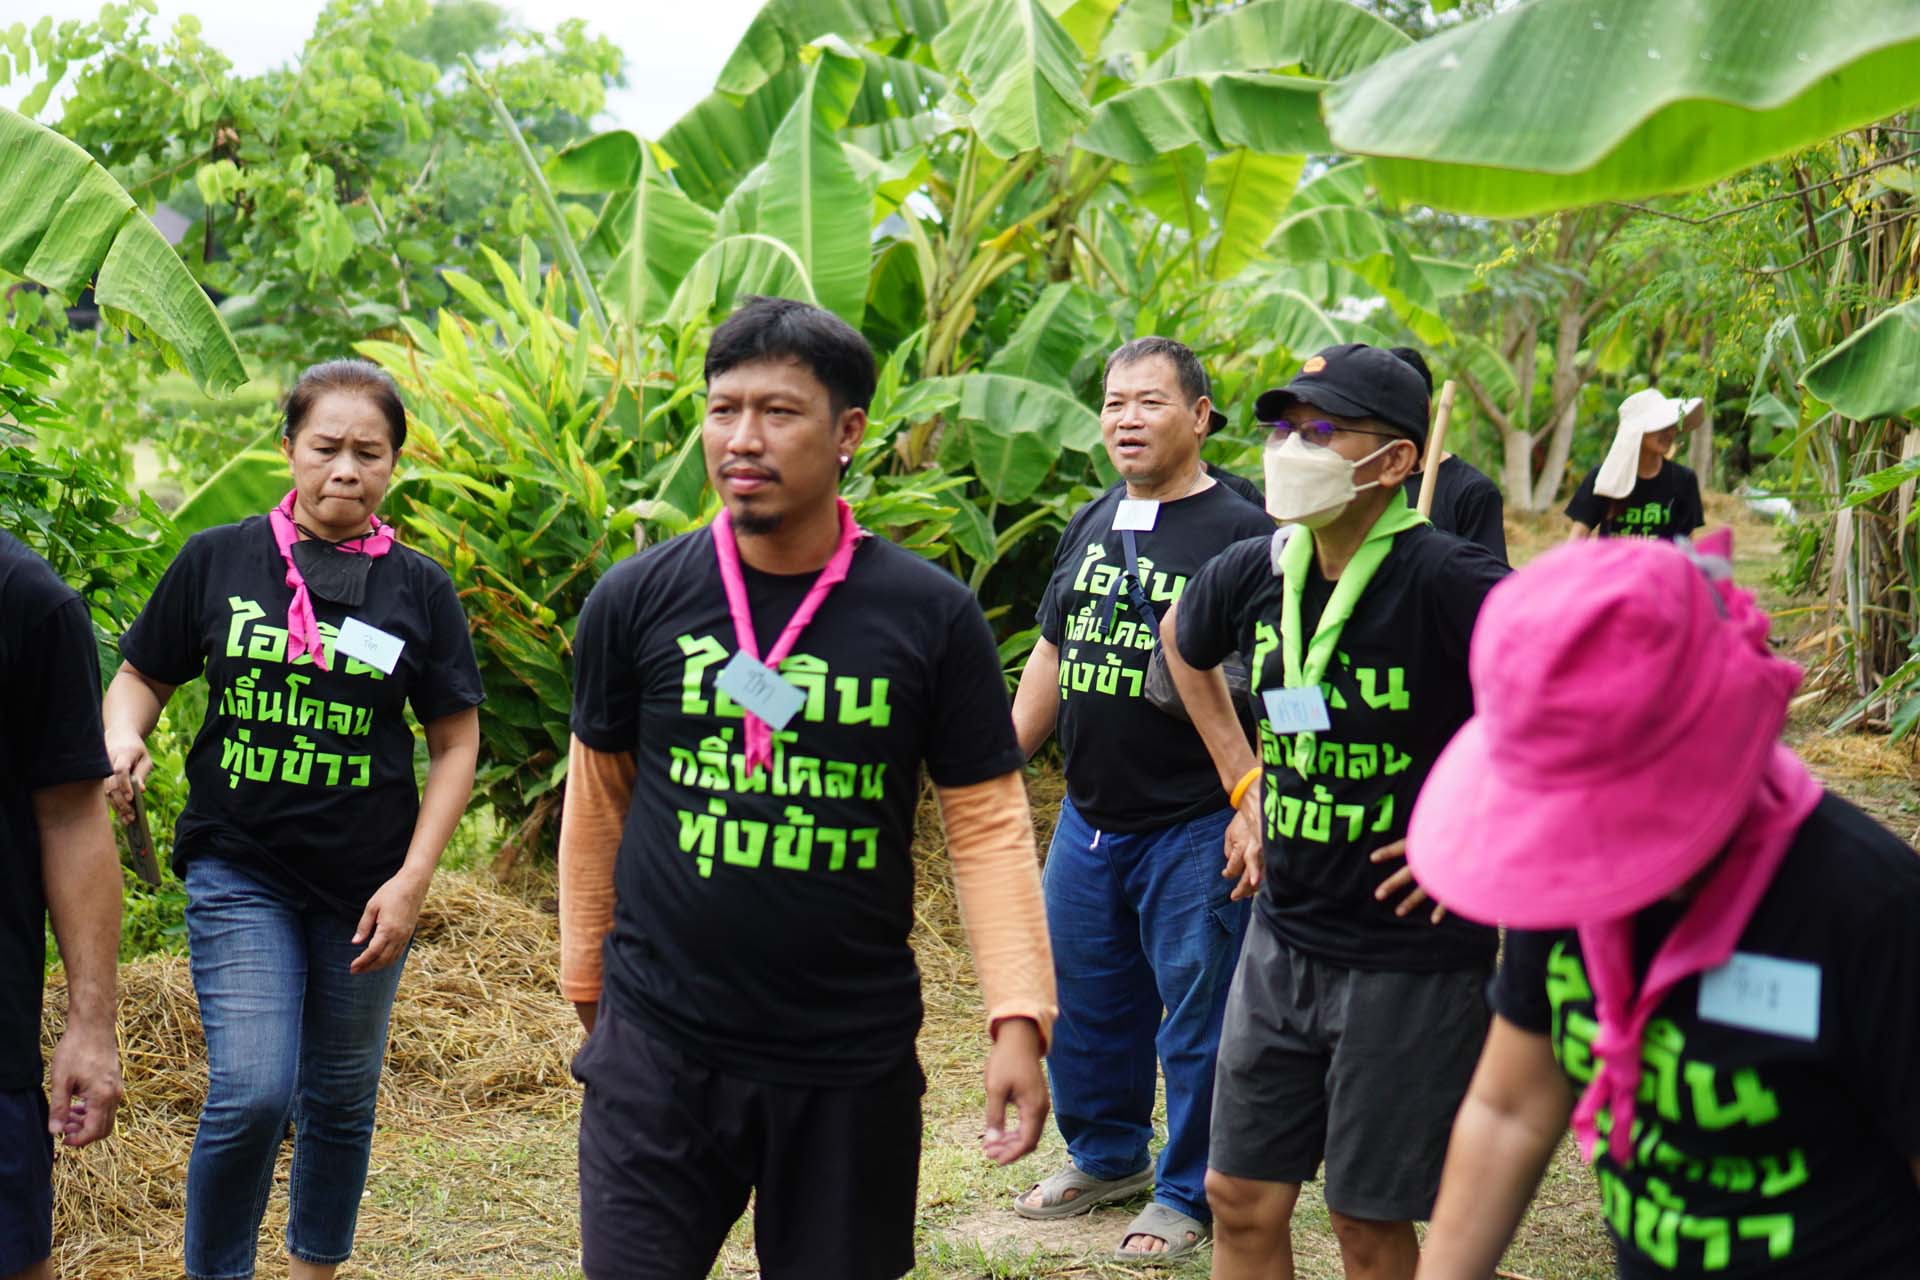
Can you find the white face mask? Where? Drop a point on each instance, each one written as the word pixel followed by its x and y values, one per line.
pixel 1311 484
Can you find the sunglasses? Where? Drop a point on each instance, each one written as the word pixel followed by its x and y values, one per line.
pixel 1320 431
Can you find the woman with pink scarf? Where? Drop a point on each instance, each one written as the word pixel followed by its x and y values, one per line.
pixel 305 845
pixel 1712 967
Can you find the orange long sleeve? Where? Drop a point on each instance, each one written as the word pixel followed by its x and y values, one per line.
pixel 599 789
pixel 996 874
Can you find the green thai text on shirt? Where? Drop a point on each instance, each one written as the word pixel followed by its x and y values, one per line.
pixel 1649 1207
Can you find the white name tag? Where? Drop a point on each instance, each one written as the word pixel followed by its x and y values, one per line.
pixel 371 645
pixel 1137 514
pixel 1764 993
pixel 1296 710
pixel 760 689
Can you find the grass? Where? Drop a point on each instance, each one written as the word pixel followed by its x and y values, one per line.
pixel 473 1162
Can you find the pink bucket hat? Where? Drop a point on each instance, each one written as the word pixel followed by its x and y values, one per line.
pixel 1625 709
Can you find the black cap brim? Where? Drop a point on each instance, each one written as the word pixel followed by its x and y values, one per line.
pixel 1216 421
pixel 1273 405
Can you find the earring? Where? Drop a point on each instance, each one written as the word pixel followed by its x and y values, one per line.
pixel 845 458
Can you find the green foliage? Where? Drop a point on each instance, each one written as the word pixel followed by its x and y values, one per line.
pixel 1876 372
pixel 327 195
pixel 1623 100
pixel 65 223
pixel 70 507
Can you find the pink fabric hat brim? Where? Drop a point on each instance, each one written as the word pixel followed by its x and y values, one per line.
pixel 1476 841
pixel 1499 839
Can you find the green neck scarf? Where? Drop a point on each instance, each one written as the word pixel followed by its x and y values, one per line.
pixel 1347 589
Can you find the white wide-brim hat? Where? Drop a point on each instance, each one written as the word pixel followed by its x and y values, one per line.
pixel 1641 413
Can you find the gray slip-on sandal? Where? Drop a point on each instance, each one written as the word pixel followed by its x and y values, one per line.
pixel 1163 1222
pixel 1093 1191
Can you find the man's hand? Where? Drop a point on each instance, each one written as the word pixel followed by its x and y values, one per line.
pixel 387 923
pixel 128 755
pixel 1400 880
pixel 1014 1075
pixel 86 1086
pixel 1246 853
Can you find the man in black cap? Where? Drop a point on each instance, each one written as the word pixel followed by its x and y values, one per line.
pixel 1358 1009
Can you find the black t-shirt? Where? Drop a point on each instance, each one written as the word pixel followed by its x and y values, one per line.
pixel 1764 1152
pixel 761 922
pixel 1129 765
pixel 298 772
pixel 1664 506
pixel 1468 505
pixel 49 734
pixel 1239 484
pixel 1396 692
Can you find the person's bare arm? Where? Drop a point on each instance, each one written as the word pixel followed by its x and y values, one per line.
pixel 592 815
pixel 128 713
pixel 1210 706
pixel 453 752
pixel 1036 704
pixel 1579 532
pixel 81 869
pixel 1513 1117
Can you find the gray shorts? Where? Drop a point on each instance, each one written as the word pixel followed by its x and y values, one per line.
pixel 1362 1069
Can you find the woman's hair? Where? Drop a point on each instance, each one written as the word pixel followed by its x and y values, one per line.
pixel 356 377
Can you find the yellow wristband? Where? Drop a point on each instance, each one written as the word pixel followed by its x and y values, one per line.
pixel 1239 792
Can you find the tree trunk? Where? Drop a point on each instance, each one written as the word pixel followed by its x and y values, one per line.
pixel 1700 448
pixel 1567 381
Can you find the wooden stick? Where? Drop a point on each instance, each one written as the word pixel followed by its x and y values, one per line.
pixel 1436 447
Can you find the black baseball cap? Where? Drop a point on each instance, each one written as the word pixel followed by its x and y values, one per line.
pixel 1355 380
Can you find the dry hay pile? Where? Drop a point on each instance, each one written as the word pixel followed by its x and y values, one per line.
pixel 480 1038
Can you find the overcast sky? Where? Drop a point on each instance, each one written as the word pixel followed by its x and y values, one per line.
pixel 674 48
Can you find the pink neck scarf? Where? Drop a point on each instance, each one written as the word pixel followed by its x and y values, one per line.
pixel 1703 939
pixel 303 628
pixel 759 734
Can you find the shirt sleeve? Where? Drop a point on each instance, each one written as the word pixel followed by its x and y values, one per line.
pixel 165 642
pixel 997 880
pixel 1051 596
pixel 1585 505
pixel 971 736
pixel 450 678
pixel 606 682
pixel 1213 604
pixel 1482 518
pixel 53 702
pixel 1471 572
pixel 593 814
pixel 1689 513
pixel 1519 989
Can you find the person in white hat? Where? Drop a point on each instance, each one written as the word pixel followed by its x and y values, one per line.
pixel 1637 492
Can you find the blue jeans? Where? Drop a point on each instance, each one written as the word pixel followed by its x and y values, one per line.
pixel 291 1035
pixel 1145 937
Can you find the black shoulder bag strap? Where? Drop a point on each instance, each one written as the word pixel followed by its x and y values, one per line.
pixel 1136 592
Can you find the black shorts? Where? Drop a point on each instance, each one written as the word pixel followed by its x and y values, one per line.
pixel 1364 1069
pixel 26 1180
pixel 670 1148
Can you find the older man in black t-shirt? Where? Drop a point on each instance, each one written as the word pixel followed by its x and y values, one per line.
pixel 753 706
pixel 1355 1019
pixel 1139 913
pixel 56 857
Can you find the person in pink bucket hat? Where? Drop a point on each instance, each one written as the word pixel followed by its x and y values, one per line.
pixel 1706 951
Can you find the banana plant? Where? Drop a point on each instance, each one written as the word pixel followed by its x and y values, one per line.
pixel 65 223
